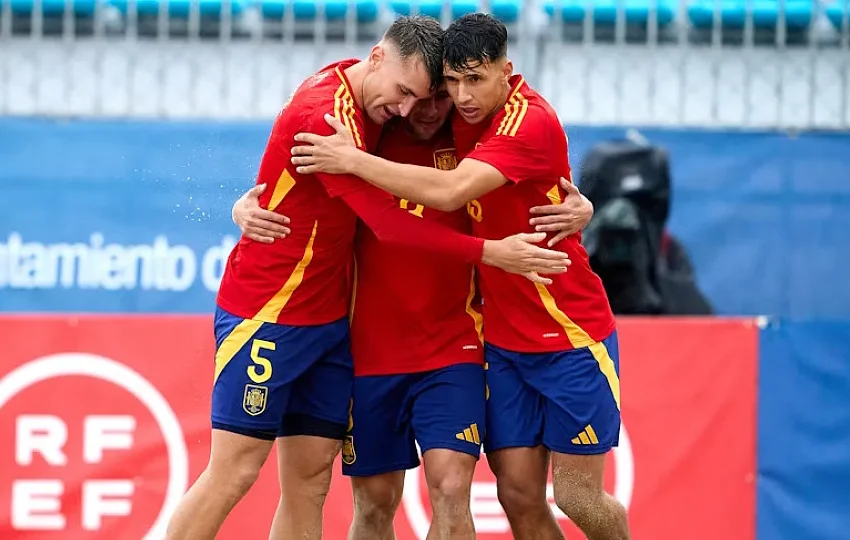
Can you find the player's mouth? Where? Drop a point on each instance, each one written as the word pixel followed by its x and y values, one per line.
pixel 428 121
pixel 468 112
pixel 386 113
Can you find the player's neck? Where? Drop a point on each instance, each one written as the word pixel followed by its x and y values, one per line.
pixel 506 91
pixel 356 74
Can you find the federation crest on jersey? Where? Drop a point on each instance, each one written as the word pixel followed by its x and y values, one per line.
pixel 349 456
pixel 445 159
pixel 254 401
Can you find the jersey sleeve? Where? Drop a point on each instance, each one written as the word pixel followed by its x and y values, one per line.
pixel 518 149
pixel 377 208
pixel 338 185
pixel 379 211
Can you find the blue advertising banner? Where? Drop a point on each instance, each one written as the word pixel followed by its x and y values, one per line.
pixel 803 485
pixel 118 216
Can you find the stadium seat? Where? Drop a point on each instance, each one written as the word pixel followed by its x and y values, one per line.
pixel 835 12
pixel 52 7
pixel 180 8
pixel 505 10
pixel 335 10
pixel 637 12
pixel 798 13
pixel 433 8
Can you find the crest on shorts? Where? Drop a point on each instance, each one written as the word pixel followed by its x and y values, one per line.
pixel 445 159
pixel 254 400
pixel 349 456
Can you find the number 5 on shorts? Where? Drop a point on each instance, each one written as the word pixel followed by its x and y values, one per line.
pixel 257 346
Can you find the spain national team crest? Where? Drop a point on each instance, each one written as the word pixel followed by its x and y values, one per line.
pixel 445 159
pixel 349 456
pixel 254 401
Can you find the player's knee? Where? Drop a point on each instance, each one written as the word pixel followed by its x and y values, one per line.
pixel 521 498
pixel 450 493
pixel 236 479
pixel 577 495
pixel 375 503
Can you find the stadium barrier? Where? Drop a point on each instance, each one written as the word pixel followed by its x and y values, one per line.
pixel 107 423
pixel 755 63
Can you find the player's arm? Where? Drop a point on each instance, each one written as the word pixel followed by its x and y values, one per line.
pixel 256 222
pixel 379 211
pixel 434 188
pixel 563 218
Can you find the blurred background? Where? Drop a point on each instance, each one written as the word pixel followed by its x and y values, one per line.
pixel 712 135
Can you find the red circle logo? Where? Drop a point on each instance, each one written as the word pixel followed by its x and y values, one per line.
pixel 88 435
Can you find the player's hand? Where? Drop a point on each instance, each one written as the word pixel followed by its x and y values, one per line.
pixel 331 154
pixel 256 222
pixel 517 254
pixel 566 218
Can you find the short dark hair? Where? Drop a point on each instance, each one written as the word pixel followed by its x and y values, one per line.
pixel 474 39
pixel 419 36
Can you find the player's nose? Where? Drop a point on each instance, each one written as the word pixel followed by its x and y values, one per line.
pixel 406 105
pixel 463 97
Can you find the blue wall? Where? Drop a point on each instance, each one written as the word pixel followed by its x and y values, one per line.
pixel 803 484
pixel 765 216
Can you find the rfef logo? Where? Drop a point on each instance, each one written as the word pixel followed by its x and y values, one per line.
pixel 489 517
pixel 87 455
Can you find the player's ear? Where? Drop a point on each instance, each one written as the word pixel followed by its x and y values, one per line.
pixel 376 57
pixel 507 69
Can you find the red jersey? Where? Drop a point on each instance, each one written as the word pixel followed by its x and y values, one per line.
pixel 413 312
pixel 526 143
pixel 305 279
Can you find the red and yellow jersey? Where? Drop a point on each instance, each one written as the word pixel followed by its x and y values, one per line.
pixel 413 311
pixel 527 144
pixel 305 278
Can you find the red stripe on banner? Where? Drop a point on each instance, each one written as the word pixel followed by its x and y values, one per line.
pixel 110 421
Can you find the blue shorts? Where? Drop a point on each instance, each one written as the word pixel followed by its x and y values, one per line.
pixel 443 408
pixel 567 401
pixel 274 380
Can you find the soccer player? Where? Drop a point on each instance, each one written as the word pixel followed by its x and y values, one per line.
pixel 283 366
pixel 551 350
pixel 415 336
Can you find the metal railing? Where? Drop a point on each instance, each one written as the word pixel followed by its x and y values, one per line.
pixel 238 59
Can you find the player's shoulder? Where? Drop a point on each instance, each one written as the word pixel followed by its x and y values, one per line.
pixel 525 114
pixel 325 92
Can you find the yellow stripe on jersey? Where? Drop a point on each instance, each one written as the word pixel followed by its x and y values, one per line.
pixel 578 337
pixel 344 111
pixel 515 110
pixel 284 183
pixel 511 108
pixel 272 309
pixel 523 108
pixel 606 366
pixel 477 319
pixel 234 342
pixel 554 195
pixel 353 293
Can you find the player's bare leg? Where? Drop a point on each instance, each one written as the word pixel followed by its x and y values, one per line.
pixel 521 477
pixel 305 466
pixel 449 477
pixel 580 495
pixel 235 463
pixel 376 500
